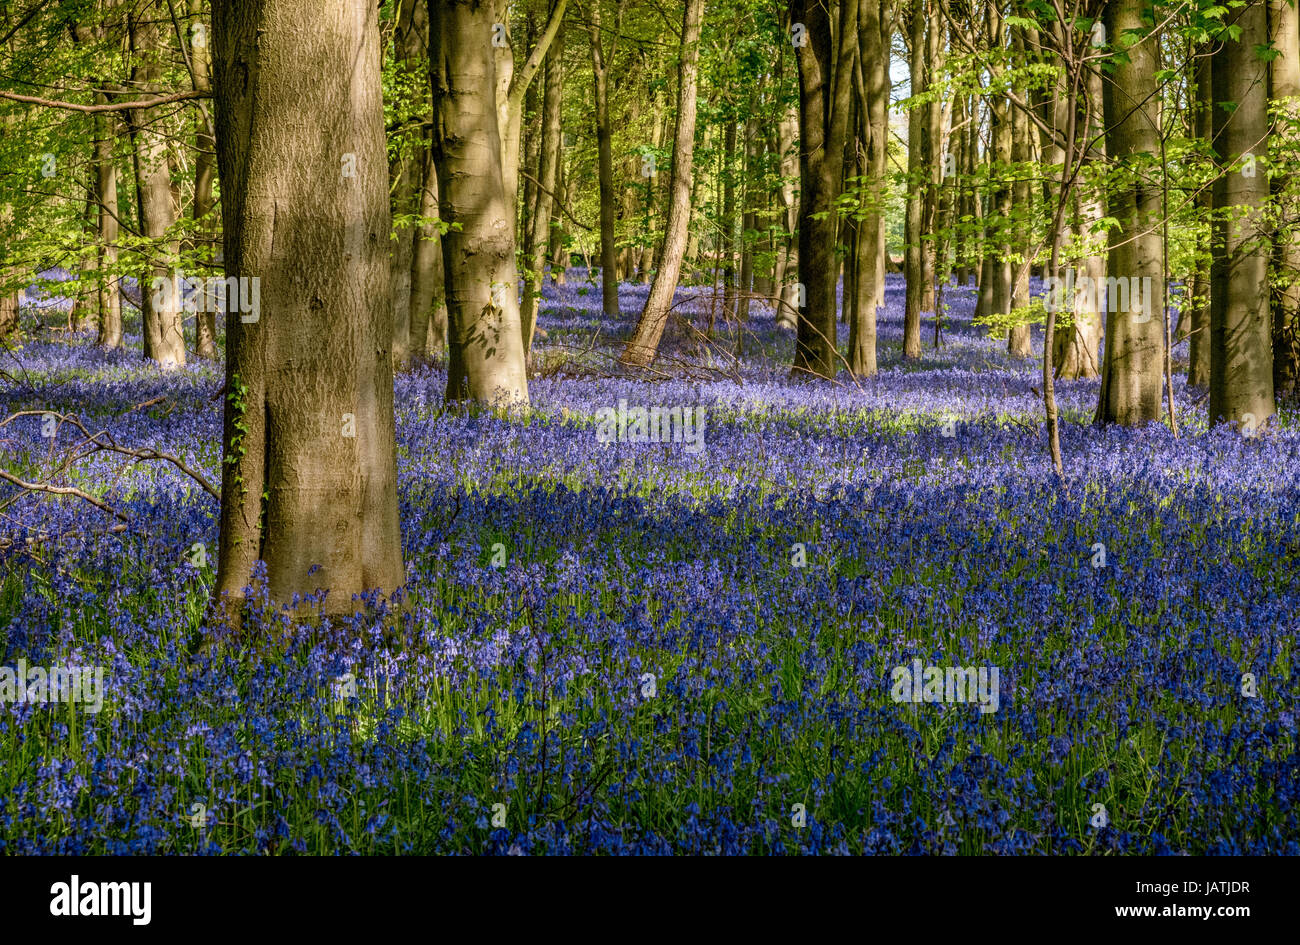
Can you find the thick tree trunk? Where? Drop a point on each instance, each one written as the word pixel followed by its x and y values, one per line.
pixel 309 469
pixel 1241 356
pixel 1133 366
pixel 644 343
pixel 825 87
pixel 1284 29
pixel 486 362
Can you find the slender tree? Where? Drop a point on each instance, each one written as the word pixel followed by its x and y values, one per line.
pixel 644 343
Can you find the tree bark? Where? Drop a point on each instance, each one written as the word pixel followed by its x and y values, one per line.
pixel 549 163
pixel 1020 337
pixel 825 87
pixel 644 343
pixel 873 132
pixel 486 362
pixel 1198 329
pixel 164 339
pixel 406 180
pixel 917 179
pixel 109 288
pixel 205 172
pixel 605 165
pixel 1133 365
pixel 1284 29
pixel 1241 357
pixel 309 480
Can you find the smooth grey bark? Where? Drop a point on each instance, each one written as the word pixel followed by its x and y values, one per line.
pixel 309 470
pixel 1198 321
pixel 486 362
pixel 1241 355
pixel 1133 363
pixel 601 58
pixel 1019 337
pixel 873 132
pixel 917 182
pixel 548 176
pixel 642 347
pixel 164 338
pixel 1284 31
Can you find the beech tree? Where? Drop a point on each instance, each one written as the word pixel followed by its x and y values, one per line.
pixel 1132 369
pixel 1241 356
pixel 644 343
pixel 309 463
pixel 486 361
pixel 826 69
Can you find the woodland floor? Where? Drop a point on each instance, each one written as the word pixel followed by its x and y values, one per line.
pixel 650 671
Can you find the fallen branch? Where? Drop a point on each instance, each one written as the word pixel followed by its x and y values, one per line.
pixel 62 490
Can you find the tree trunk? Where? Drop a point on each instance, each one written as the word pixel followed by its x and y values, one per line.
pixel 1241 357
pixel 1198 328
pixel 1284 27
pixel 934 157
pixel 1076 350
pixel 1000 268
pixel 164 339
pixel 405 178
pixel 486 362
pixel 644 343
pixel 727 237
pixel 309 480
pixel 110 285
pixel 917 178
pixel 825 87
pixel 874 134
pixel 428 297
pixel 559 246
pixel 205 171
pixel 1133 365
pixel 787 261
pixel 549 160
pixel 428 305
pixel 605 173
pixel 1019 337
